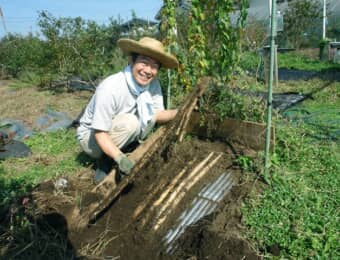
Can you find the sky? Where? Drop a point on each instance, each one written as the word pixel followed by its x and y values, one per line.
pixel 21 16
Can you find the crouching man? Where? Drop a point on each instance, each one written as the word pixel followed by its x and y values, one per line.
pixel 126 106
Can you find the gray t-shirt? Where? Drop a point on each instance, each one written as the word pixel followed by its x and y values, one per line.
pixel 113 97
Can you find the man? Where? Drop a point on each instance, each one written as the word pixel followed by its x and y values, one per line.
pixel 126 106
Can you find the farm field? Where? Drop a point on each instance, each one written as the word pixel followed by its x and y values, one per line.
pixel 296 215
pixel 202 186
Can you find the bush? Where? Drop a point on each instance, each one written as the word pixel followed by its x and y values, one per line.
pixel 18 53
pixel 67 47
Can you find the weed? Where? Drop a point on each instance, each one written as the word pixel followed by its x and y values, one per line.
pixel 246 163
pixel 299 214
pixel 226 101
pixel 295 61
pixel 53 154
pixel 251 61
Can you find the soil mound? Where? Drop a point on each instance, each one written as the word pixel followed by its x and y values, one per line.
pixel 137 222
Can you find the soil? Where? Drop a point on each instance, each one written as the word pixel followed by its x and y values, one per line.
pixel 127 236
pixel 134 225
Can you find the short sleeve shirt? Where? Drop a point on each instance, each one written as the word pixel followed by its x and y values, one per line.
pixel 113 97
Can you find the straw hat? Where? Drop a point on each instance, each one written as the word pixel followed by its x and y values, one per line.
pixel 149 47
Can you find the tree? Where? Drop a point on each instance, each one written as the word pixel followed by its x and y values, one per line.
pixel 80 47
pixel 302 17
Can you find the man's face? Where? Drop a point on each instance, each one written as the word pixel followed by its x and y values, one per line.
pixel 144 70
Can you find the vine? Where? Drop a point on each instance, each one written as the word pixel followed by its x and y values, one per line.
pixel 227 36
pixel 198 63
pixel 169 29
pixel 210 41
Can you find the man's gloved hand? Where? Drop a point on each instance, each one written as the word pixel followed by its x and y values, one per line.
pixel 124 163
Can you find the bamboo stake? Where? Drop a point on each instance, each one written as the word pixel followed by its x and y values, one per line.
pixel 140 208
pixel 177 199
pixel 189 106
pixel 170 187
pixel 186 120
pixel 183 183
pixel 177 189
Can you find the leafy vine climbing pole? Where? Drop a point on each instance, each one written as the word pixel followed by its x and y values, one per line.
pixel 169 30
pixel 227 35
pixel 205 38
pixel 198 63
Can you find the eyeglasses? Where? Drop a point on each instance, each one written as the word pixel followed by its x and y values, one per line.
pixel 146 61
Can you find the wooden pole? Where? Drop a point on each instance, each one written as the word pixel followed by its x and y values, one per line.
pixel 324 20
pixel 3 22
pixel 270 91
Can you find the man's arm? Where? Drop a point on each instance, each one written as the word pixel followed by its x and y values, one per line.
pixel 109 148
pixel 105 143
pixel 164 116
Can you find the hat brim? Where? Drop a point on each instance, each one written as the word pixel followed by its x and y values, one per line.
pixel 129 46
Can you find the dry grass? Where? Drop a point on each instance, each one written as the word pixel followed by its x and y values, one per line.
pixel 28 103
pixel 96 248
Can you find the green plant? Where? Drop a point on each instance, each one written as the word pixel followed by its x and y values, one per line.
pixel 323 46
pixel 11 189
pixel 53 155
pixel 77 45
pixel 70 47
pixel 298 213
pixel 296 60
pixel 230 101
pixel 333 25
pixel 301 18
pixel 168 29
pixel 255 34
pixel 249 60
pixel 246 163
pixel 19 53
pixel 210 44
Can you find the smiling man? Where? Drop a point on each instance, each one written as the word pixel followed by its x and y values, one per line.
pixel 126 106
